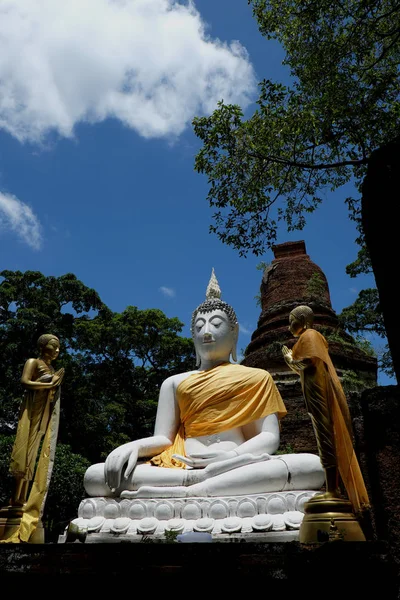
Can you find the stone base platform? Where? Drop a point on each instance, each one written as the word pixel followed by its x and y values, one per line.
pixel 249 516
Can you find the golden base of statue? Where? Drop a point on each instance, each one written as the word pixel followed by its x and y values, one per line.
pixel 10 520
pixel 329 519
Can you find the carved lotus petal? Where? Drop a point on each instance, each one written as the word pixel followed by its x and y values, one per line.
pixel 293 519
pixel 191 511
pixel 291 501
pixel 120 525
pixel 111 510
pixel 262 523
pixel 164 511
pixel 231 525
pixel 175 525
pixel 80 522
pixel 148 525
pixel 137 510
pixel 87 510
pixel 276 505
pixel 247 508
pixel 219 510
pixel 106 527
pixel 278 523
pixel 95 524
pixel 204 525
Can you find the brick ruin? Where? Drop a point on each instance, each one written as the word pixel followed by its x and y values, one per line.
pixel 289 280
pixel 292 279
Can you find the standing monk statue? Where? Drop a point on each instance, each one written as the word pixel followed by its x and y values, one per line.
pixel 37 427
pixel 327 406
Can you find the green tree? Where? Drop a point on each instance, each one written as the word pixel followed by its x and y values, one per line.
pixel 114 362
pixel 65 492
pixel 30 305
pixel 120 362
pixel 364 316
pixel 312 136
pixel 6 480
pixel 114 366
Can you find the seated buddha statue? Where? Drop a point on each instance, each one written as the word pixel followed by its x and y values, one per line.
pixel 216 430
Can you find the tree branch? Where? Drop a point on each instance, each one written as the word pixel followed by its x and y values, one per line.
pixel 300 165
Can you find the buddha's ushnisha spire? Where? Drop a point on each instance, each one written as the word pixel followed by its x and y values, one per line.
pixel 213 289
pixel 213 302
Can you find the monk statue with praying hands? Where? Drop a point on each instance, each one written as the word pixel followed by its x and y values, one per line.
pixel 33 452
pixel 216 431
pixel 330 416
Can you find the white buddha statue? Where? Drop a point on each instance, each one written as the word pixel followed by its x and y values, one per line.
pixel 216 430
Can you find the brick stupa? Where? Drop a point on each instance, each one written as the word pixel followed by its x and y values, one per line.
pixel 292 279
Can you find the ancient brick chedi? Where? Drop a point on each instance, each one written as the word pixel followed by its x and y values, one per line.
pixel 292 279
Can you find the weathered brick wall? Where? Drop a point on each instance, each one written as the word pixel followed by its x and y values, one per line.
pixel 377 433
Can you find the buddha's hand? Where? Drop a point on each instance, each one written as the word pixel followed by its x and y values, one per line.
pixel 115 462
pixel 199 461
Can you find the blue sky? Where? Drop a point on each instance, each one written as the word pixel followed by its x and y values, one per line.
pixel 97 152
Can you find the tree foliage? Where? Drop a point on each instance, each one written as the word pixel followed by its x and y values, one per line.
pixel 311 137
pixel 364 317
pixel 114 362
pixel 114 365
pixel 65 492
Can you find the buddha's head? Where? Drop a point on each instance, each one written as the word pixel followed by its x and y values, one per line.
pixel 300 319
pixel 48 346
pixel 214 326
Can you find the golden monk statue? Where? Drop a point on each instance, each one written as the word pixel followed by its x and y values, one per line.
pixel 37 427
pixel 217 428
pixel 327 406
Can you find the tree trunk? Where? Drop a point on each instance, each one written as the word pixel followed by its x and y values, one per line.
pixel 381 225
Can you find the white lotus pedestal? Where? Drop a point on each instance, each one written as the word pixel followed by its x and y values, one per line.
pixel 271 517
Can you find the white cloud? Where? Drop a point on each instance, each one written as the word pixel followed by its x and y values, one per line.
pixel 244 329
pixel 148 63
pixel 19 217
pixel 353 290
pixel 167 291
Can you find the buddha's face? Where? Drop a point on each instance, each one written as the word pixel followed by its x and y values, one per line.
pixel 296 325
pixel 213 335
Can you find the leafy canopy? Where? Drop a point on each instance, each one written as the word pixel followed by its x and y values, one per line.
pixel 114 362
pixel 310 137
pixel 114 366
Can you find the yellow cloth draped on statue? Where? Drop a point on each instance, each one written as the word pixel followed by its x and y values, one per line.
pixel 221 398
pixel 39 420
pixel 326 400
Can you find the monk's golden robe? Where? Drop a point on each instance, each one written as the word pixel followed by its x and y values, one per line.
pixel 221 398
pixel 39 420
pixel 327 406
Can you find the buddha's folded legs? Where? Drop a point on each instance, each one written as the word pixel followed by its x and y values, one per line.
pixel 150 475
pixel 254 478
pixel 282 472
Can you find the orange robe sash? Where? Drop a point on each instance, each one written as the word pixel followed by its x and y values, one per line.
pixel 219 399
pixel 312 344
